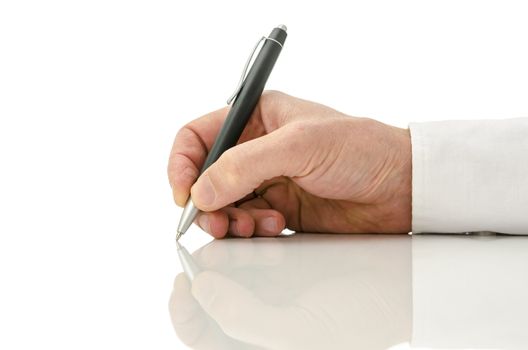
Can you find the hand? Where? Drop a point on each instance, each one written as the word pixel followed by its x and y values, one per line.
pixel 300 292
pixel 297 164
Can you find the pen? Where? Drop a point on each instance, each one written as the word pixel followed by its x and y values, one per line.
pixel 243 102
pixel 189 266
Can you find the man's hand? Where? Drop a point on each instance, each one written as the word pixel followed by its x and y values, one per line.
pixel 298 165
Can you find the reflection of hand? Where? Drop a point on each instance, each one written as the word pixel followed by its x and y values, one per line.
pixel 313 169
pixel 291 298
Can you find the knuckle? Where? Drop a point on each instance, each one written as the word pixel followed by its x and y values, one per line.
pixel 275 100
pixel 173 167
pixel 181 168
pixel 297 133
pixel 182 133
pixel 270 94
pixel 278 108
pixel 271 101
pixel 185 138
pixel 181 142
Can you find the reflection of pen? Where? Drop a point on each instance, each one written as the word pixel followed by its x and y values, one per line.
pixel 190 268
pixel 245 99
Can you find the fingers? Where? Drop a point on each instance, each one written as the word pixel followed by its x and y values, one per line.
pixel 182 174
pixel 244 167
pixel 194 140
pixel 189 151
pixel 240 222
pixel 268 222
pixel 215 223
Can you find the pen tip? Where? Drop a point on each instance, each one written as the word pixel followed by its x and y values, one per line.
pixel 283 27
pixel 178 235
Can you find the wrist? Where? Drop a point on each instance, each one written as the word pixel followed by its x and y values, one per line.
pixel 402 198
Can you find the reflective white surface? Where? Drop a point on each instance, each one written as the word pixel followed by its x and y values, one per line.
pixel 356 292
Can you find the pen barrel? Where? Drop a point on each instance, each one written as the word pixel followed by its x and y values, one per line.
pixel 248 97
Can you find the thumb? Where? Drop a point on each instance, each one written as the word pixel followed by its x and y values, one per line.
pixel 244 167
pixel 238 312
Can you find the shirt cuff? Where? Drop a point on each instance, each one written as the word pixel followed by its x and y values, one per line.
pixel 470 176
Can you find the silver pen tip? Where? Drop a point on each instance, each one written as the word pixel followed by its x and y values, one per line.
pixel 283 27
pixel 178 235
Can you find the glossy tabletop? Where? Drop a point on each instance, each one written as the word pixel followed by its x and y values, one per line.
pixel 319 291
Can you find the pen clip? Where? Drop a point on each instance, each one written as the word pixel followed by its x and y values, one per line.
pixel 244 72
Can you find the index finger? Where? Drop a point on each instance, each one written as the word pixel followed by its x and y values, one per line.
pixel 194 140
pixel 189 150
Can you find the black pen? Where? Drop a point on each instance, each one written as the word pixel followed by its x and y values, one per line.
pixel 243 100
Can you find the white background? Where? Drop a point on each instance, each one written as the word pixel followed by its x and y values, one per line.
pixel 93 92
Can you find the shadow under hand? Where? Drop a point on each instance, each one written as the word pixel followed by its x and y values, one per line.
pixel 299 292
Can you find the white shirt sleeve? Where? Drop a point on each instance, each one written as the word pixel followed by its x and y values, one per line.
pixel 470 176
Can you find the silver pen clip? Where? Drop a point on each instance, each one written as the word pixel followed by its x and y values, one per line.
pixel 246 68
pixel 244 71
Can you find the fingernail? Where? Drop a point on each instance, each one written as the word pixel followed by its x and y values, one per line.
pixel 204 192
pixel 179 197
pixel 203 220
pixel 270 224
pixel 203 289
